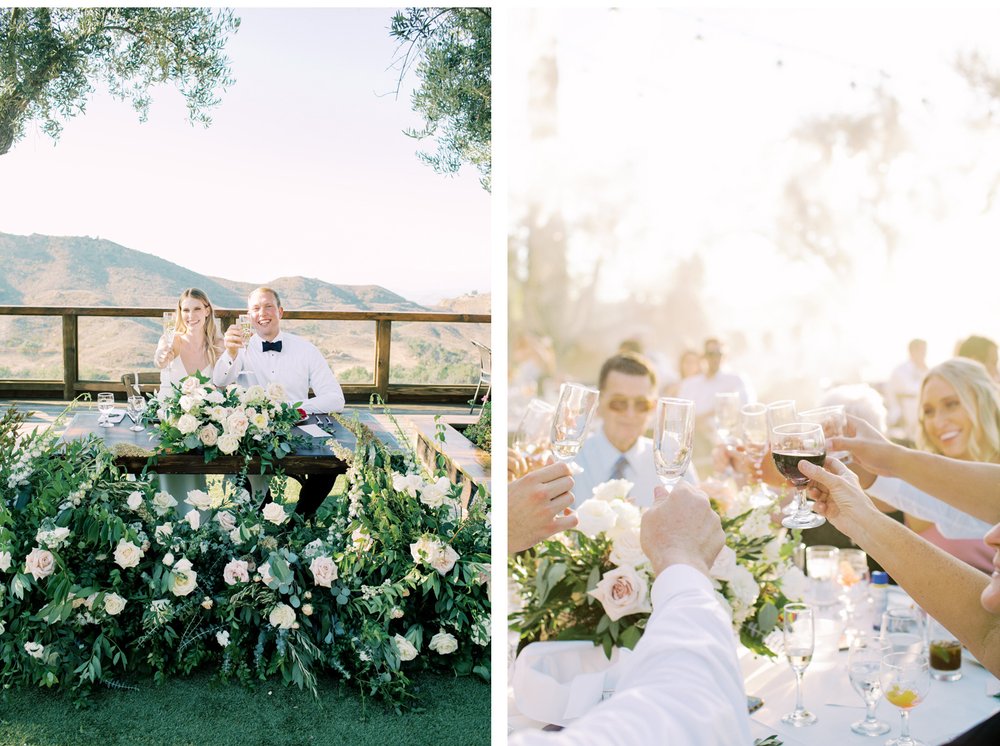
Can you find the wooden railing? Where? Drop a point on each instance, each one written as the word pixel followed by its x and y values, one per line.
pixel 71 385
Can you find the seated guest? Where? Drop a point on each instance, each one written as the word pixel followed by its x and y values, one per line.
pixel 618 449
pixel 682 684
pixel 982 350
pixel 274 356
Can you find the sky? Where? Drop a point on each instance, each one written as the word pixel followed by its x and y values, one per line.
pixel 305 169
pixel 685 118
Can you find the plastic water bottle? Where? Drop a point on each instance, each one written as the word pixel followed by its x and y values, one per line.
pixel 878 589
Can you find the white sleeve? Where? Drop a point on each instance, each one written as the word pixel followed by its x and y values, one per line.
pixel 328 395
pixel 682 685
pixel 950 521
pixel 226 369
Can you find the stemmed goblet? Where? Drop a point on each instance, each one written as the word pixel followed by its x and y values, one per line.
pixel 864 664
pixel 572 417
pixel 782 412
pixel 532 437
pixel 905 679
pixel 673 439
pixel 799 631
pixel 790 444
pixel 136 406
pixel 833 420
pixel 105 403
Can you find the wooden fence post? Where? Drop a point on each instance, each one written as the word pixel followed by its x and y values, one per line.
pixel 71 361
pixel 383 340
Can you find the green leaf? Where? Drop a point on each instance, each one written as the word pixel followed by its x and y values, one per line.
pixel 767 617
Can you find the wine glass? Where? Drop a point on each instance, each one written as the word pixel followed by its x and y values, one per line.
pixel 531 439
pixel 905 680
pixel 833 420
pixel 105 403
pixel 864 664
pixel 756 438
pixel 169 326
pixel 781 413
pixel 799 632
pixel 246 327
pixel 136 406
pixel 673 439
pixel 572 419
pixel 790 444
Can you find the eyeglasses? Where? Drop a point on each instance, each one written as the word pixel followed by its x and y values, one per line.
pixel 640 403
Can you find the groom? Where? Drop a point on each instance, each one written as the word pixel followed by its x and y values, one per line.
pixel 276 356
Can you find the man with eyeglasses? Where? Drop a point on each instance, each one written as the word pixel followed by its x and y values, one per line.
pixel 618 448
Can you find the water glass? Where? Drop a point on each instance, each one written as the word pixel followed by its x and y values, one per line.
pixel 821 566
pixel 864 665
pixel 136 406
pixel 904 630
pixel 105 403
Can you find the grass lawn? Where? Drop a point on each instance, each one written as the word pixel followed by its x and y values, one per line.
pixel 198 711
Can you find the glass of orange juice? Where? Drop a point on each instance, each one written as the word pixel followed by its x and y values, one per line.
pixel 905 680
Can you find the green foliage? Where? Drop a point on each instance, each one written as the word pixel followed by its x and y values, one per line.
pixel 480 432
pixel 51 58
pixel 451 48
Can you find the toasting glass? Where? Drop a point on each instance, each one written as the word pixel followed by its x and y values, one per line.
pixel 105 403
pixel 833 420
pixel 789 445
pixel 246 327
pixel 673 439
pixel 756 438
pixel 532 437
pixel 864 664
pixel 905 680
pixel 572 419
pixel 799 631
pixel 169 326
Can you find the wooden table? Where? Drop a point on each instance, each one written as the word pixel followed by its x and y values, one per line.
pixel 314 457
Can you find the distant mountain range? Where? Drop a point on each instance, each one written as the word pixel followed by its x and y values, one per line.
pixel 42 270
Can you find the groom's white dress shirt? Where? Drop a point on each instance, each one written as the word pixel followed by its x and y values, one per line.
pixel 681 687
pixel 950 521
pixel 597 457
pixel 298 367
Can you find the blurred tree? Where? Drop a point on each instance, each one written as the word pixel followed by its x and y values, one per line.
pixel 50 59
pixel 451 49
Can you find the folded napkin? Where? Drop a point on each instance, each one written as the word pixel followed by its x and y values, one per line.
pixel 557 682
pixel 314 431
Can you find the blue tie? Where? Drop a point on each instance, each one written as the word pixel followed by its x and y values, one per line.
pixel 618 472
pixel 276 346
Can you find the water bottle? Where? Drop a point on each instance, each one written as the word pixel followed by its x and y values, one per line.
pixel 878 589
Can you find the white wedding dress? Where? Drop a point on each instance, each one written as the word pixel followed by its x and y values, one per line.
pixel 178 485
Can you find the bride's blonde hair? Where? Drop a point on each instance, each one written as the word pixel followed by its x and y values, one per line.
pixel 212 340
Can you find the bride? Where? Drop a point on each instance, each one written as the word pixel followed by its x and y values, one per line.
pixel 195 344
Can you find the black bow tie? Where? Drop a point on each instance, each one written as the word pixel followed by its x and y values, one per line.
pixel 276 346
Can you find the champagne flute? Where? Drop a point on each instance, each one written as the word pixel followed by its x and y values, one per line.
pixel 169 326
pixel 673 439
pixel 105 403
pixel 833 420
pixel 727 416
pixel 136 406
pixel 246 327
pixel 905 680
pixel 571 420
pixel 756 438
pixel 782 412
pixel 864 664
pixel 789 445
pixel 531 439
pixel 799 632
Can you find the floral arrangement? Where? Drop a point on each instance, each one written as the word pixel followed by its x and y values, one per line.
pixel 106 580
pixel 480 432
pixel 593 582
pixel 247 422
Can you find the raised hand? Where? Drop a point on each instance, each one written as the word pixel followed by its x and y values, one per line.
pixel 233 340
pixel 874 455
pixel 164 352
pixel 538 505
pixel 681 528
pixel 838 496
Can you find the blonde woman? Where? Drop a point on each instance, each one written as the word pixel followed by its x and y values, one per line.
pixel 196 343
pixel 959 417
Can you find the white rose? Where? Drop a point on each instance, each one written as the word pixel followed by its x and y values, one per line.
pixel 228 443
pixel 127 554
pixel 226 520
pixel 185 579
pixel 164 532
pixel 40 563
pixel 433 495
pixel 234 535
pixel 408 483
pixel 214 397
pixel 307 609
pixel 163 503
pixel 324 571
pixel 134 501
pixel 52 539
pixel 622 591
pixel 445 559
pixel 276 392
pixel 443 643
pixel 396 613
pixel 407 652
pixel 193 517
pixel 5 560
pixel 724 565
pixel 757 525
pixel 627 550
pixel 236 571
pixel 595 517
pixel 255 393
pixel 168 559
pixel 265 573
pixel 361 540
pixel 237 424
pixel 113 603
pixel 222 638
pixel 613 489
pixel 260 421
pixel 218 414
pixel 189 385
pixel 187 403
pixel 282 616
pixel 744 587
pixel 274 513
pixel 794 583
pixel 35 649
pixel 628 516
pixel 198 499
pixel 424 549
pixel 187 424
pixel 208 435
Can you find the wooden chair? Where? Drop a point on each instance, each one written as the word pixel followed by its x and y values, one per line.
pixel 148 380
pixel 485 373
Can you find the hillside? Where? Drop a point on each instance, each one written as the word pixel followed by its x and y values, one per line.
pixel 81 271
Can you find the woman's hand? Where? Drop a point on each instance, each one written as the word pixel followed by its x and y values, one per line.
pixel 164 353
pixel 839 497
